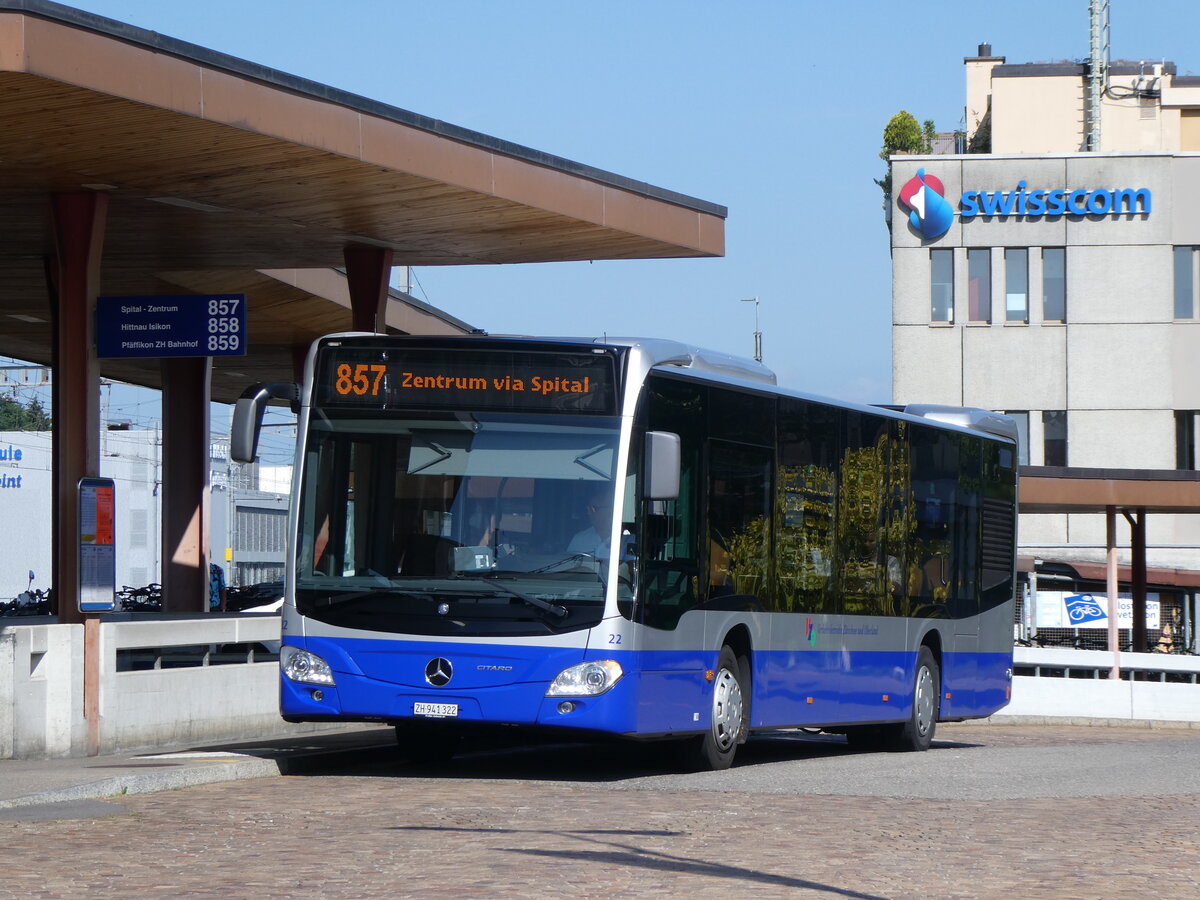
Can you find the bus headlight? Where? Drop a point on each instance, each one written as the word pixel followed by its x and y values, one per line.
pixel 300 665
pixel 586 679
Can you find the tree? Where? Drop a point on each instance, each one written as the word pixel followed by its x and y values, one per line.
pixel 17 417
pixel 928 136
pixel 902 134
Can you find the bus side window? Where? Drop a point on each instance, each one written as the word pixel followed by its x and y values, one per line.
pixel 930 543
pixel 739 523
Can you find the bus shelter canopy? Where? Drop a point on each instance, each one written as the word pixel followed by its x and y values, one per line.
pixel 218 170
pixel 1048 489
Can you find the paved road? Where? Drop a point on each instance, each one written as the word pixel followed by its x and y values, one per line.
pixel 990 811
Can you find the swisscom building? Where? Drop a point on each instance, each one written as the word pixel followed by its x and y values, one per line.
pixel 1061 285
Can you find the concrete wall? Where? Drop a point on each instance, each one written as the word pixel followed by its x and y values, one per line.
pixel 1073 685
pixel 41 678
pixel 1037 115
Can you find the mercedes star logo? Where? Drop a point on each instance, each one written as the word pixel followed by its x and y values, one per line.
pixel 439 672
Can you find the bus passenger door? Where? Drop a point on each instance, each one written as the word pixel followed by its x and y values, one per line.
pixel 807 663
pixel 738 575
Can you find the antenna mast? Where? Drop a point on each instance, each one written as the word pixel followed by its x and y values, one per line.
pixel 1097 72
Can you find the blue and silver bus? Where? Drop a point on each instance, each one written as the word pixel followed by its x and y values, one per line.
pixel 634 538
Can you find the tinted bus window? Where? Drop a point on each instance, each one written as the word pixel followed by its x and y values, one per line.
pixel 739 525
pixel 934 461
pixel 804 506
pixel 967 509
pixel 998 526
pixel 864 492
pixel 745 418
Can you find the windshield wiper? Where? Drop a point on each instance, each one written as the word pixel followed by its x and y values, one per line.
pixel 581 558
pixel 352 596
pixel 545 605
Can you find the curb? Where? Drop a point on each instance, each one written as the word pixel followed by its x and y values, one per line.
pixel 236 768
pixel 122 785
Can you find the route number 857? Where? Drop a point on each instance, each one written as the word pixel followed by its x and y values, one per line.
pixel 359 379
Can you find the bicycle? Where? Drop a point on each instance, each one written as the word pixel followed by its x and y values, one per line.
pixel 142 599
pixel 30 602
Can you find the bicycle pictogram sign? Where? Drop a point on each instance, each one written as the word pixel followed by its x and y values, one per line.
pixel 1084 608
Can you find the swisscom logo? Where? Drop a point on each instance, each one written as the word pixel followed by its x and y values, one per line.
pixel 931 214
pixel 925 197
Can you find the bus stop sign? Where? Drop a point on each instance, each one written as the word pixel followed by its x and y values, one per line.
pixel 183 325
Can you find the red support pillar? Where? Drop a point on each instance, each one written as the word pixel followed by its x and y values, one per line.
pixel 1114 587
pixel 79 221
pixel 1137 577
pixel 185 506
pixel 367 272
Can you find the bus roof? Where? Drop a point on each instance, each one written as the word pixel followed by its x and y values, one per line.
pixel 663 353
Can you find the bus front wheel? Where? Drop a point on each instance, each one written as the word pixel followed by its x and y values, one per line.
pixel 715 749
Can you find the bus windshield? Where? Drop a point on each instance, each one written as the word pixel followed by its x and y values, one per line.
pixel 458 524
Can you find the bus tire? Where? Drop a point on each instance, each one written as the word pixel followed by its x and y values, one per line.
pixel 426 742
pixel 715 749
pixel 917 732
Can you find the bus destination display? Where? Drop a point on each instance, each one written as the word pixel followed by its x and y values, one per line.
pixel 467 379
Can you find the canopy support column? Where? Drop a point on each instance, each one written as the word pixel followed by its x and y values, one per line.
pixel 1114 633
pixel 367 272
pixel 79 223
pixel 185 509
pixel 1137 578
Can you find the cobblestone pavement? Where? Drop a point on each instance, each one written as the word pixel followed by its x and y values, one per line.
pixel 509 825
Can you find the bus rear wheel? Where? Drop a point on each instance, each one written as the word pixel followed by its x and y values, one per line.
pixel 715 749
pixel 917 732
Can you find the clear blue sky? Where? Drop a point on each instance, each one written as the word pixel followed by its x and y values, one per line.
pixel 774 109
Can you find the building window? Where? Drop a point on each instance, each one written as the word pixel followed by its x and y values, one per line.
pixel 1021 417
pixel 1185 282
pixel 941 268
pixel 1054 284
pixel 1016 285
pixel 979 285
pixel 1185 439
pixel 1054 437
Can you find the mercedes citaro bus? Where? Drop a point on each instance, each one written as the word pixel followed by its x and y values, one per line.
pixel 634 538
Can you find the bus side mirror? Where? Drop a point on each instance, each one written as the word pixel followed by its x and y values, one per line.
pixel 248 416
pixel 661 467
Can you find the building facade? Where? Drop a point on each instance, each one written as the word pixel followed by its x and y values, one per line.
pixel 1060 286
pixel 248 527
